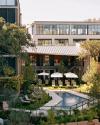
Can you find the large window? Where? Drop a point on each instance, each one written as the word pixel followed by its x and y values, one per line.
pixel 2 2
pixel 10 2
pixel 51 60
pixel 39 60
pixel 64 29
pixel 8 14
pixel 78 29
pixel 45 42
pixel 39 29
pixel 7 2
pixel 94 29
pixel 61 42
pixel 52 29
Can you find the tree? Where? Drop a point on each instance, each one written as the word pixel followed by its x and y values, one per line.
pixel 92 76
pixel 90 72
pixel 13 40
pixel 90 48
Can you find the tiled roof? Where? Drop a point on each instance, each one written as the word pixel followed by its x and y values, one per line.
pixel 55 50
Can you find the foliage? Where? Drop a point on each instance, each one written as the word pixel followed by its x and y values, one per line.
pixel 90 48
pixel 4 115
pixel 61 67
pixel 36 103
pixel 50 119
pixel 95 90
pixel 13 82
pixel 84 88
pixel 90 72
pixel 8 71
pixel 19 118
pixel 12 38
pixel 28 73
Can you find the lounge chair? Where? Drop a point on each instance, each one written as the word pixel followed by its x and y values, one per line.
pixel 67 83
pixel 53 83
pixel 60 83
pixel 74 83
pixel 27 98
pixel 24 101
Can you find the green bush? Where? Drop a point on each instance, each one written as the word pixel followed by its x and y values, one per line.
pixel 4 114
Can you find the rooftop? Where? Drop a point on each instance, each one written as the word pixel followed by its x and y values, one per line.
pixel 55 50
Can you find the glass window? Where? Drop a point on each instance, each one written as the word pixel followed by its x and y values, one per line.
pixel 7 2
pixel 44 42
pixel 3 13
pixel 8 14
pixel 78 29
pixel 61 42
pixel 52 29
pixel 46 30
pixel 63 29
pixel 74 30
pixel 39 60
pixel 94 29
pixel 10 2
pixel 11 15
pixel 39 29
pixel 2 2
pixel 51 60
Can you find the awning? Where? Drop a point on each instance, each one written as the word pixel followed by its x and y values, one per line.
pixel 54 50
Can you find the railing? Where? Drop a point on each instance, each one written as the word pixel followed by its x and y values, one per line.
pixel 67 109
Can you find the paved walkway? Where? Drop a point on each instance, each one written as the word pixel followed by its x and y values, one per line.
pixel 43 110
pixel 55 100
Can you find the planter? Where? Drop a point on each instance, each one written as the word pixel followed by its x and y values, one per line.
pixel 91 123
pixel 99 119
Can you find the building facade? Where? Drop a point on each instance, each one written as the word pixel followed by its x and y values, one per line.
pixel 10 11
pixel 58 42
pixel 64 33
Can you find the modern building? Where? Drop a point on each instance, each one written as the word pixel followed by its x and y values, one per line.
pixel 64 33
pixel 58 41
pixel 10 11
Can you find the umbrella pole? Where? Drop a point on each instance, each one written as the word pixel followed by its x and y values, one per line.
pixel 44 78
pixel 70 82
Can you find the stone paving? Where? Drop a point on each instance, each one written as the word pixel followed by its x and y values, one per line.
pixel 55 100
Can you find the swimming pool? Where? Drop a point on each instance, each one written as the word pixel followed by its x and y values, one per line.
pixel 69 100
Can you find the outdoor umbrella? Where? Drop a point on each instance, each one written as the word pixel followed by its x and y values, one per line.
pixel 71 76
pixel 56 75
pixel 44 74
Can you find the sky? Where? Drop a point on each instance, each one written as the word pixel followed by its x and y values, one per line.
pixel 59 10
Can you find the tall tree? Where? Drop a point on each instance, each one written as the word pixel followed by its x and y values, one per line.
pixel 90 48
pixel 13 40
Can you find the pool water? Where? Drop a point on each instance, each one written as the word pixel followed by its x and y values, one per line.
pixel 69 100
